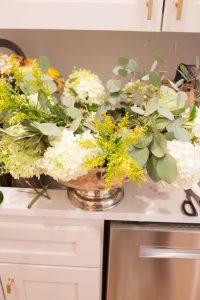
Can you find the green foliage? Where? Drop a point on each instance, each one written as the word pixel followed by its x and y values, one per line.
pixel 184 70
pixel 154 65
pixel 169 136
pixel 152 106
pixel 166 113
pixel 67 101
pixel 173 85
pixel 173 125
pixel 158 146
pixel 179 83
pixel 114 98
pixel 49 129
pixel 43 63
pixel 75 124
pixel 162 123
pixel 158 58
pixel 126 66
pixel 152 168
pixel 74 112
pixel 114 85
pixel 122 72
pixel 1 197
pixel 182 134
pixel 18 105
pixel 18 157
pixel 192 113
pixel 166 168
pixel 144 141
pixel 123 61
pixel 154 79
pixel 140 155
pixel 140 114
pixel 137 110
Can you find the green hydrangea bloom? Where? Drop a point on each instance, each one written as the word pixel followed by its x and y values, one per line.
pixel 84 87
pixel 18 159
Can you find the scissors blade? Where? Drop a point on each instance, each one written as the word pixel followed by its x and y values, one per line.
pixel 188 203
pixel 192 212
pixel 193 195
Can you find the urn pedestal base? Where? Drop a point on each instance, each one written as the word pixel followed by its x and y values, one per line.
pixel 95 200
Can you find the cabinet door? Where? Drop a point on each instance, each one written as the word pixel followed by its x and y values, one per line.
pixel 50 283
pixel 182 16
pixel 82 14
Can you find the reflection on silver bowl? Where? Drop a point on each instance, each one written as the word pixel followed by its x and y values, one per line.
pixel 88 192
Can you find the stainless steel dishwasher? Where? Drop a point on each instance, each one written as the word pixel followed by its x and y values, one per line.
pixel 154 262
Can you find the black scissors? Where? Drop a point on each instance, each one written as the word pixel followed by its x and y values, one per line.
pixel 188 206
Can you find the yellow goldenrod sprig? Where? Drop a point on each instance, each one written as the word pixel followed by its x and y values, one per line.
pixel 112 141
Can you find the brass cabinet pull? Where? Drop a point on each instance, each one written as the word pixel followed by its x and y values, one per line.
pixel 9 285
pixel 149 4
pixel 179 6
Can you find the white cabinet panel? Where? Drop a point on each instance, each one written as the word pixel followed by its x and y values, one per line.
pixel 51 283
pixel 189 17
pixel 81 14
pixel 59 245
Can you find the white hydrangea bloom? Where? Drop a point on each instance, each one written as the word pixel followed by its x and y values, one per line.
pixel 196 124
pixel 65 158
pixel 84 87
pixel 187 157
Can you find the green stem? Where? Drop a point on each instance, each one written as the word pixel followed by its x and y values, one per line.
pixel 36 190
pixel 37 197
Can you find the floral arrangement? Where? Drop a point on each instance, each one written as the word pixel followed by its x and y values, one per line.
pixel 141 124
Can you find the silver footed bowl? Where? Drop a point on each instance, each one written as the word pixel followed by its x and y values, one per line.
pixel 89 192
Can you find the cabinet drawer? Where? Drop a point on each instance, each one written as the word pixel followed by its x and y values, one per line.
pixel 60 245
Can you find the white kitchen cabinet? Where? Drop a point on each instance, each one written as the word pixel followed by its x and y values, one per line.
pixel 128 15
pixel 50 244
pixel 182 16
pixel 50 283
pixel 50 258
pixel 37 269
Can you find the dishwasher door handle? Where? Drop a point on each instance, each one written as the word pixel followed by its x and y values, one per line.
pixel 168 253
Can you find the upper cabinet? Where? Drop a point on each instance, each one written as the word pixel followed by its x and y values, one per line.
pixel 118 15
pixel 125 15
pixel 182 16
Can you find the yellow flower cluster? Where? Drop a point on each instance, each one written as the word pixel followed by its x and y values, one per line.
pixel 122 166
pixel 113 140
pixel 106 127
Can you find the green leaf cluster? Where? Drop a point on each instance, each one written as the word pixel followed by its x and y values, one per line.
pixel 1 197
pixel 151 151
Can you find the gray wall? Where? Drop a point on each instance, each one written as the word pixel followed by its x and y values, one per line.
pixel 99 50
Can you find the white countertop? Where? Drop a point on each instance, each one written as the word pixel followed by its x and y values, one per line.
pixel 151 203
